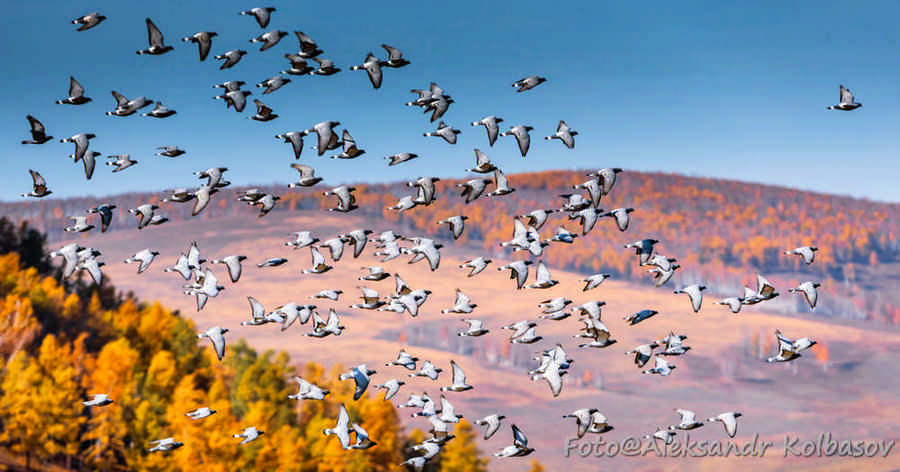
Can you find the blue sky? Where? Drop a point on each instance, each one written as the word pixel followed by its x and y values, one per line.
pixel 716 89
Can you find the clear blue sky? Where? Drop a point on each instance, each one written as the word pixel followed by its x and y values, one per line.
pixel 724 89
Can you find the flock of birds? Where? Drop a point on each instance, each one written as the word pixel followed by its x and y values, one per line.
pixel 583 207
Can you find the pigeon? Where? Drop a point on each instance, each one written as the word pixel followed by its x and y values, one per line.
pixel 463 304
pixel 594 281
pixel 88 21
pixel 328 294
pixel 318 263
pixel 105 212
pixel 476 265
pixel 642 353
pixel 564 134
pixel 491 424
pixel 336 247
pixel 98 399
pixel 667 436
pixel 308 47
pixel 542 275
pixel 249 434
pixel 358 238
pixel 438 107
pixel 482 164
pixel 622 217
pixel 200 413
pixel 729 421
pixel 404 360
pixel 341 429
pixel 324 131
pixel 144 213
pixel 208 287
pixel 272 262
pixel 597 332
pixel 417 463
pixel 273 84
pixel 213 176
pixel 362 438
pixel 76 94
pixel 808 289
pixel 446 132
pixel 395 58
pixel 231 85
pixel 295 139
pixel 269 39
pixel 764 291
pixel 847 101
pixel 428 370
pixel 233 263
pixel 473 189
pixel 165 445
pixel 350 151
pixel 674 346
pixel 203 40
pixel 522 137
pixel 789 350
pixel 121 161
pixel 475 328
pixel 81 141
pixel 694 291
pixel 308 391
pixel 266 204
pixel 425 248
pixel 688 420
pixel 326 67
pixel 156 41
pixel 528 83
pixel 145 257
pixel 459 380
pixel 370 300
pixel 391 387
pixel 217 338
pixel 661 367
pixel 734 303
pixel 160 111
pixel 234 98
pixel 299 66
pixel 360 375
pixel 537 218
pixel 372 66
pixel 490 125
pixel 181 267
pixel 501 185
pixel 456 224
pixel 519 446
pixel 263 113
pixel 642 315
pixel 643 249
pixel 170 151
pixel 262 15
pixel 38 133
pixel 400 158
pixel 583 419
pixel 231 58
pixel 375 274
pixel 807 253
pixel 518 271
pixel 607 177
pixel 39 186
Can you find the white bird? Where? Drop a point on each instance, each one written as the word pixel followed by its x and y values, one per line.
pixel 491 424
pixel 642 353
pixel 341 429
pixel 662 367
pixel 391 387
pixel 688 420
pixel 594 281
pixel 98 399
pixel 448 413
pixel 165 445
pixel 322 328
pixel 269 39
pixel 318 263
pixel 667 436
pixel 553 374
pixel 233 263
pixel 475 328
pixel 145 257
pixel 543 279
pixel 302 239
pixel 733 303
pixel 564 134
pixel 808 289
pixel 463 304
pixel 121 161
pixel 473 189
pixel 694 291
pixel 806 253
pixel 249 434
pixel 156 41
pixel 847 102
pixel 490 124
pixel 448 133
pixel 262 15
pixel 428 370
pixel 217 338
pixel 583 419
pixel 477 265
pixel 372 66
pixel 80 224
pixel 764 291
pixel 200 413
pixel 729 420
pixel 456 223
pixel 360 376
pixel 519 446
pixel 459 379
pixel 501 185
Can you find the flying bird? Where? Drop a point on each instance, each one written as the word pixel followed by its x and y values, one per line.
pixel 156 41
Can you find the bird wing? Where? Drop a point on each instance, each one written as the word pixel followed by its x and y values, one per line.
pixel 393 53
pixel 218 341
pixel 846 96
pixel 75 88
pixel 519 438
pixel 154 36
pixel 36 126
pixel 543 274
